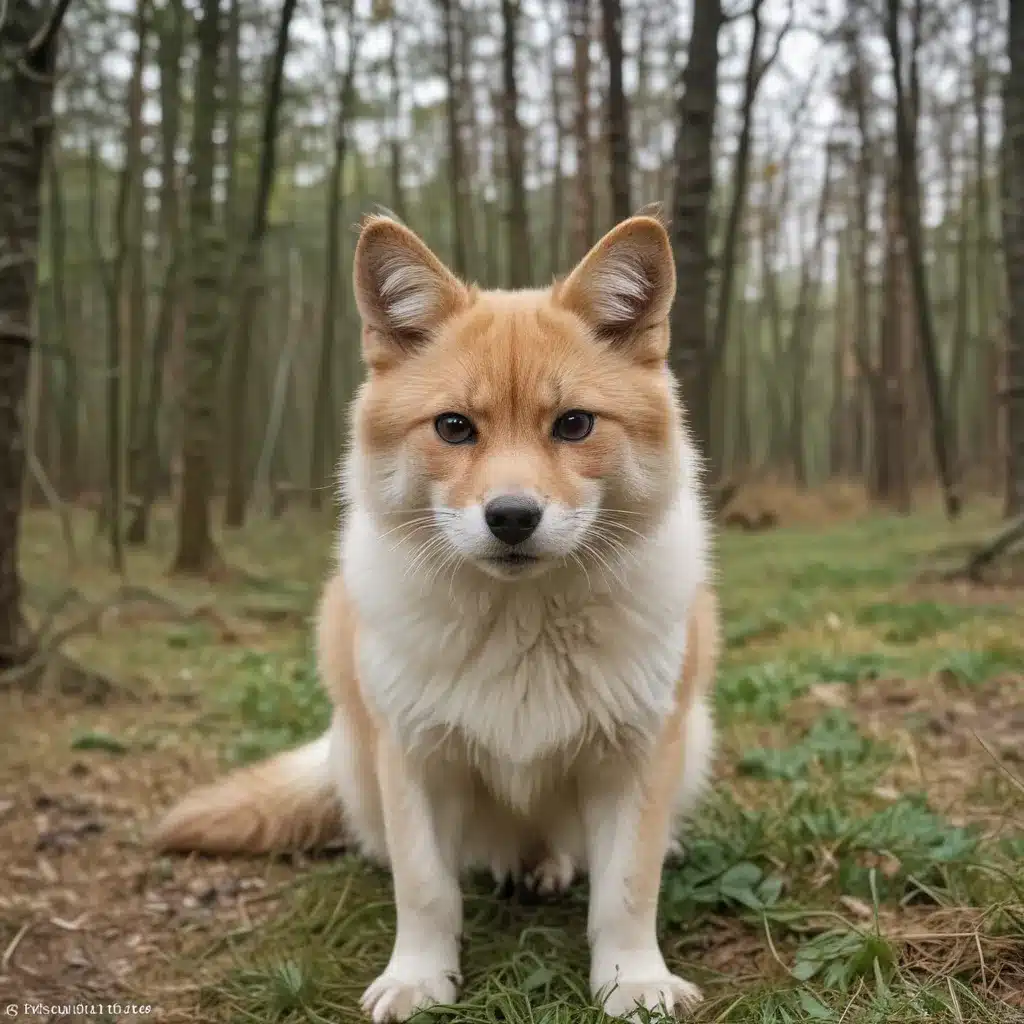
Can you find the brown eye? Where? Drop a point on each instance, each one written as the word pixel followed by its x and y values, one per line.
pixel 454 429
pixel 574 425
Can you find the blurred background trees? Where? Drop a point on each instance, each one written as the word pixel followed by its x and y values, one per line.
pixel 844 183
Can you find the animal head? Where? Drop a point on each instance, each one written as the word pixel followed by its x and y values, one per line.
pixel 516 430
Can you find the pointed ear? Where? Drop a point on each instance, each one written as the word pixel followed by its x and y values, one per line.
pixel 403 291
pixel 625 285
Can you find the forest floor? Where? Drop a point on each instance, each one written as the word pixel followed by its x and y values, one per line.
pixel 861 857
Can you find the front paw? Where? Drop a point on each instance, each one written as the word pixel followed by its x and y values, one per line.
pixel 668 993
pixel 398 996
pixel 552 876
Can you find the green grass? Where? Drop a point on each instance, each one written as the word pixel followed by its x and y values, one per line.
pixel 831 874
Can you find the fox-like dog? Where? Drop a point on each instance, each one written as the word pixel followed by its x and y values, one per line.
pixel 522 635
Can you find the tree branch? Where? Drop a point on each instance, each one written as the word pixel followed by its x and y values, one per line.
pixel 38 53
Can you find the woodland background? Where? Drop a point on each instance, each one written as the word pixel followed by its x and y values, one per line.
pixel 843 183
pixel 180 185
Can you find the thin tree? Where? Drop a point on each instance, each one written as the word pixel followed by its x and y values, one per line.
pixel 558 121
pixel 803 323
pixel 585 215
pixel 909 189
pixel 757 67
pixel 196 552
pixel 68 402
pixel 618 110
pixel 1013 245
pixel 118 325
pixel 170 26
pixel 397 189
pixel 251 284
pixel 515 160
pixel 322 418
pixel 691 350
pixel 28 58
pixel 449 13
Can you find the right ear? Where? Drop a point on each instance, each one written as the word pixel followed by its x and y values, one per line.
pixel 403 291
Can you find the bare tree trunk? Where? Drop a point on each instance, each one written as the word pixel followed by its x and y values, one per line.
pixel 909 188
pixel 871 398
pixel 618 111
pixel 251 286
pixel 28 56
pixel 322 409
pixel 135 270
pixel 397 190
pixel 518 225
pixel 988 342
pixel 585 215
pixel 170 47
pixel 460 262
pixel 840 426
pixel 232 116
pixel 802 327
pixel 1013 244
pixel 557 180
pixel 691 350
pixel 196 552
pixel 756 69
pixel 118 324
pixel 771 311
pixel 892 457
pixel 68 397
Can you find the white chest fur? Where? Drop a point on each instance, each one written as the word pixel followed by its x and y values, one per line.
pixel 523 675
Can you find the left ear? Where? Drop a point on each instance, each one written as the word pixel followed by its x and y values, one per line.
pixel 625 285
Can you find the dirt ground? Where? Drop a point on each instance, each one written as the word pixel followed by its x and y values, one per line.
pixel 203 675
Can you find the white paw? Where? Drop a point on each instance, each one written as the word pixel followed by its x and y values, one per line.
pixel 394 997
pixel 552 875
pixel 675 851
pixel 669 993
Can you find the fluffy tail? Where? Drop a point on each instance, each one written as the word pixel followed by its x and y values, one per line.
pixel 284 804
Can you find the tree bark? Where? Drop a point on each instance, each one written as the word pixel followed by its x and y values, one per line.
pixel 892 469
pixel 28 53
pixel 1013 244
pixel 170 47
pixel 691 350
pixel 618 110
pixel 395 142
pixel 455 161
pixel 518 225
pixel 323 421
pixel 121 347
pixel 740 174
pixel 250 289
pixel 557 179
pixel 232 117
pixel 802 328
pixel 196 552
pixel 988 343
pixel 584 214
pixel 68 394
pixel 909 189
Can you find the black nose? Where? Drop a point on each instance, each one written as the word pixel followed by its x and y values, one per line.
pixel 513 518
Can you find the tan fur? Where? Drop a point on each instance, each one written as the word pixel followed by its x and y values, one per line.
pixel 525 721
pixel 260 809
pixel 256 811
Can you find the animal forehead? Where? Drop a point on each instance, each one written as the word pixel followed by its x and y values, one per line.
pixel 515 354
